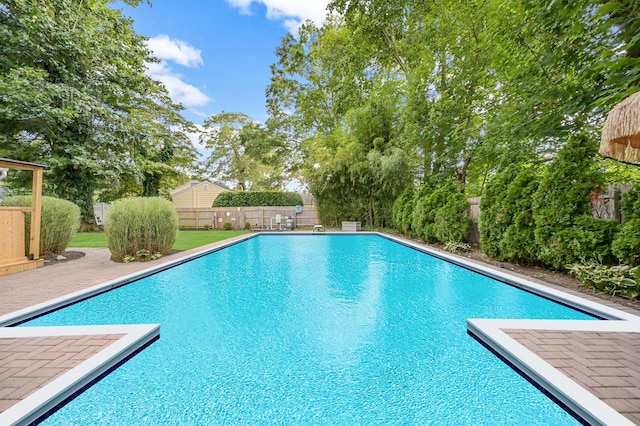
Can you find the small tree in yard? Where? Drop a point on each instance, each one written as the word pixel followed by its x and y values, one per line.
pixel 562 199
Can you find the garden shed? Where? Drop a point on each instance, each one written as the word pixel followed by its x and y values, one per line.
pixel 196 194
pixel 12 237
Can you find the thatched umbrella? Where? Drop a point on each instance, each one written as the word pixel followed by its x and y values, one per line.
pixel 621 132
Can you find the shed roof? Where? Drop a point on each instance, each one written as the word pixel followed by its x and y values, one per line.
pixel 193 184
pixel 20 165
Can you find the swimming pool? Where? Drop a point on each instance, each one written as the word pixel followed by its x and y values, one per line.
pixel 312 329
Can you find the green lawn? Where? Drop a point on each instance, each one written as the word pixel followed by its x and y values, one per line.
pixel 186 239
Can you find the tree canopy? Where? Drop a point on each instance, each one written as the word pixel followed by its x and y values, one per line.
pixel 445 88
pixel 76 98
pixel 244 152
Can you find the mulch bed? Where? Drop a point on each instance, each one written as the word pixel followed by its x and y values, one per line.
pixel 67 256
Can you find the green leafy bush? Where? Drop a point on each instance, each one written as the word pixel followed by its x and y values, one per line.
pixel 630 203
pixel 452 220
pixel 257 198
pixel 442 215
pixel 518 241
pixel 562 197
pixel 626 245
pixel 424 215
pixel 59 222
pixel 494 219
pixel 227 226
pixel 141 228
pixel 402 210
pixel 621 280
pixel 590 239
pixel 247 226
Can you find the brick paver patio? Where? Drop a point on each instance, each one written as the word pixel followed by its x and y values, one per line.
pixel 29 363
pixel 607 364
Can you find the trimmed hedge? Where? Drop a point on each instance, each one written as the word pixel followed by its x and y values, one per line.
pixel 402 210
pixel 59 222
pixel 442 215
pixel 141 228
pixel 562 198
pixel 257 198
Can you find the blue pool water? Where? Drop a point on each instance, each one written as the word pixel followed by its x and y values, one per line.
pixel 312 329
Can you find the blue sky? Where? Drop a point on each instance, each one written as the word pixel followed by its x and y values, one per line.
pixel 216 53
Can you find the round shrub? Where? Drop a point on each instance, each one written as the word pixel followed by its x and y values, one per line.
pixel 141 228
pixel 59 222
pixel 442 215
pixel 227 226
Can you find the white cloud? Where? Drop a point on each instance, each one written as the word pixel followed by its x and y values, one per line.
pixel 292 12
pixel 178 51
pixel 179 90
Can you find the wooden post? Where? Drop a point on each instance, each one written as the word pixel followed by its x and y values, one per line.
pixel 36 213
pixel 12 258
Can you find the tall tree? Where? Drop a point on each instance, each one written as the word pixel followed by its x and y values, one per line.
pixel 76 96
pixel 473 81
pixel 357 171
pixel 244 152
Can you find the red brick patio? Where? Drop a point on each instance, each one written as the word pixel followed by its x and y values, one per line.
pixel 28 363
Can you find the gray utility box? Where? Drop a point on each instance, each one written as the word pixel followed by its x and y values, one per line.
pixel 351 226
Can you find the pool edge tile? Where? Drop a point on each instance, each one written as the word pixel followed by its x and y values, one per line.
pixel 57 391
pixel 578 399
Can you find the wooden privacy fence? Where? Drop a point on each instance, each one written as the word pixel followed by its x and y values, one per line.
pixel 257 217
pixel 12 238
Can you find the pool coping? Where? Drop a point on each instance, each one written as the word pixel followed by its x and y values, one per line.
pixel 59 390
pixel 569 393
pixel 31 312
pixel 488 332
